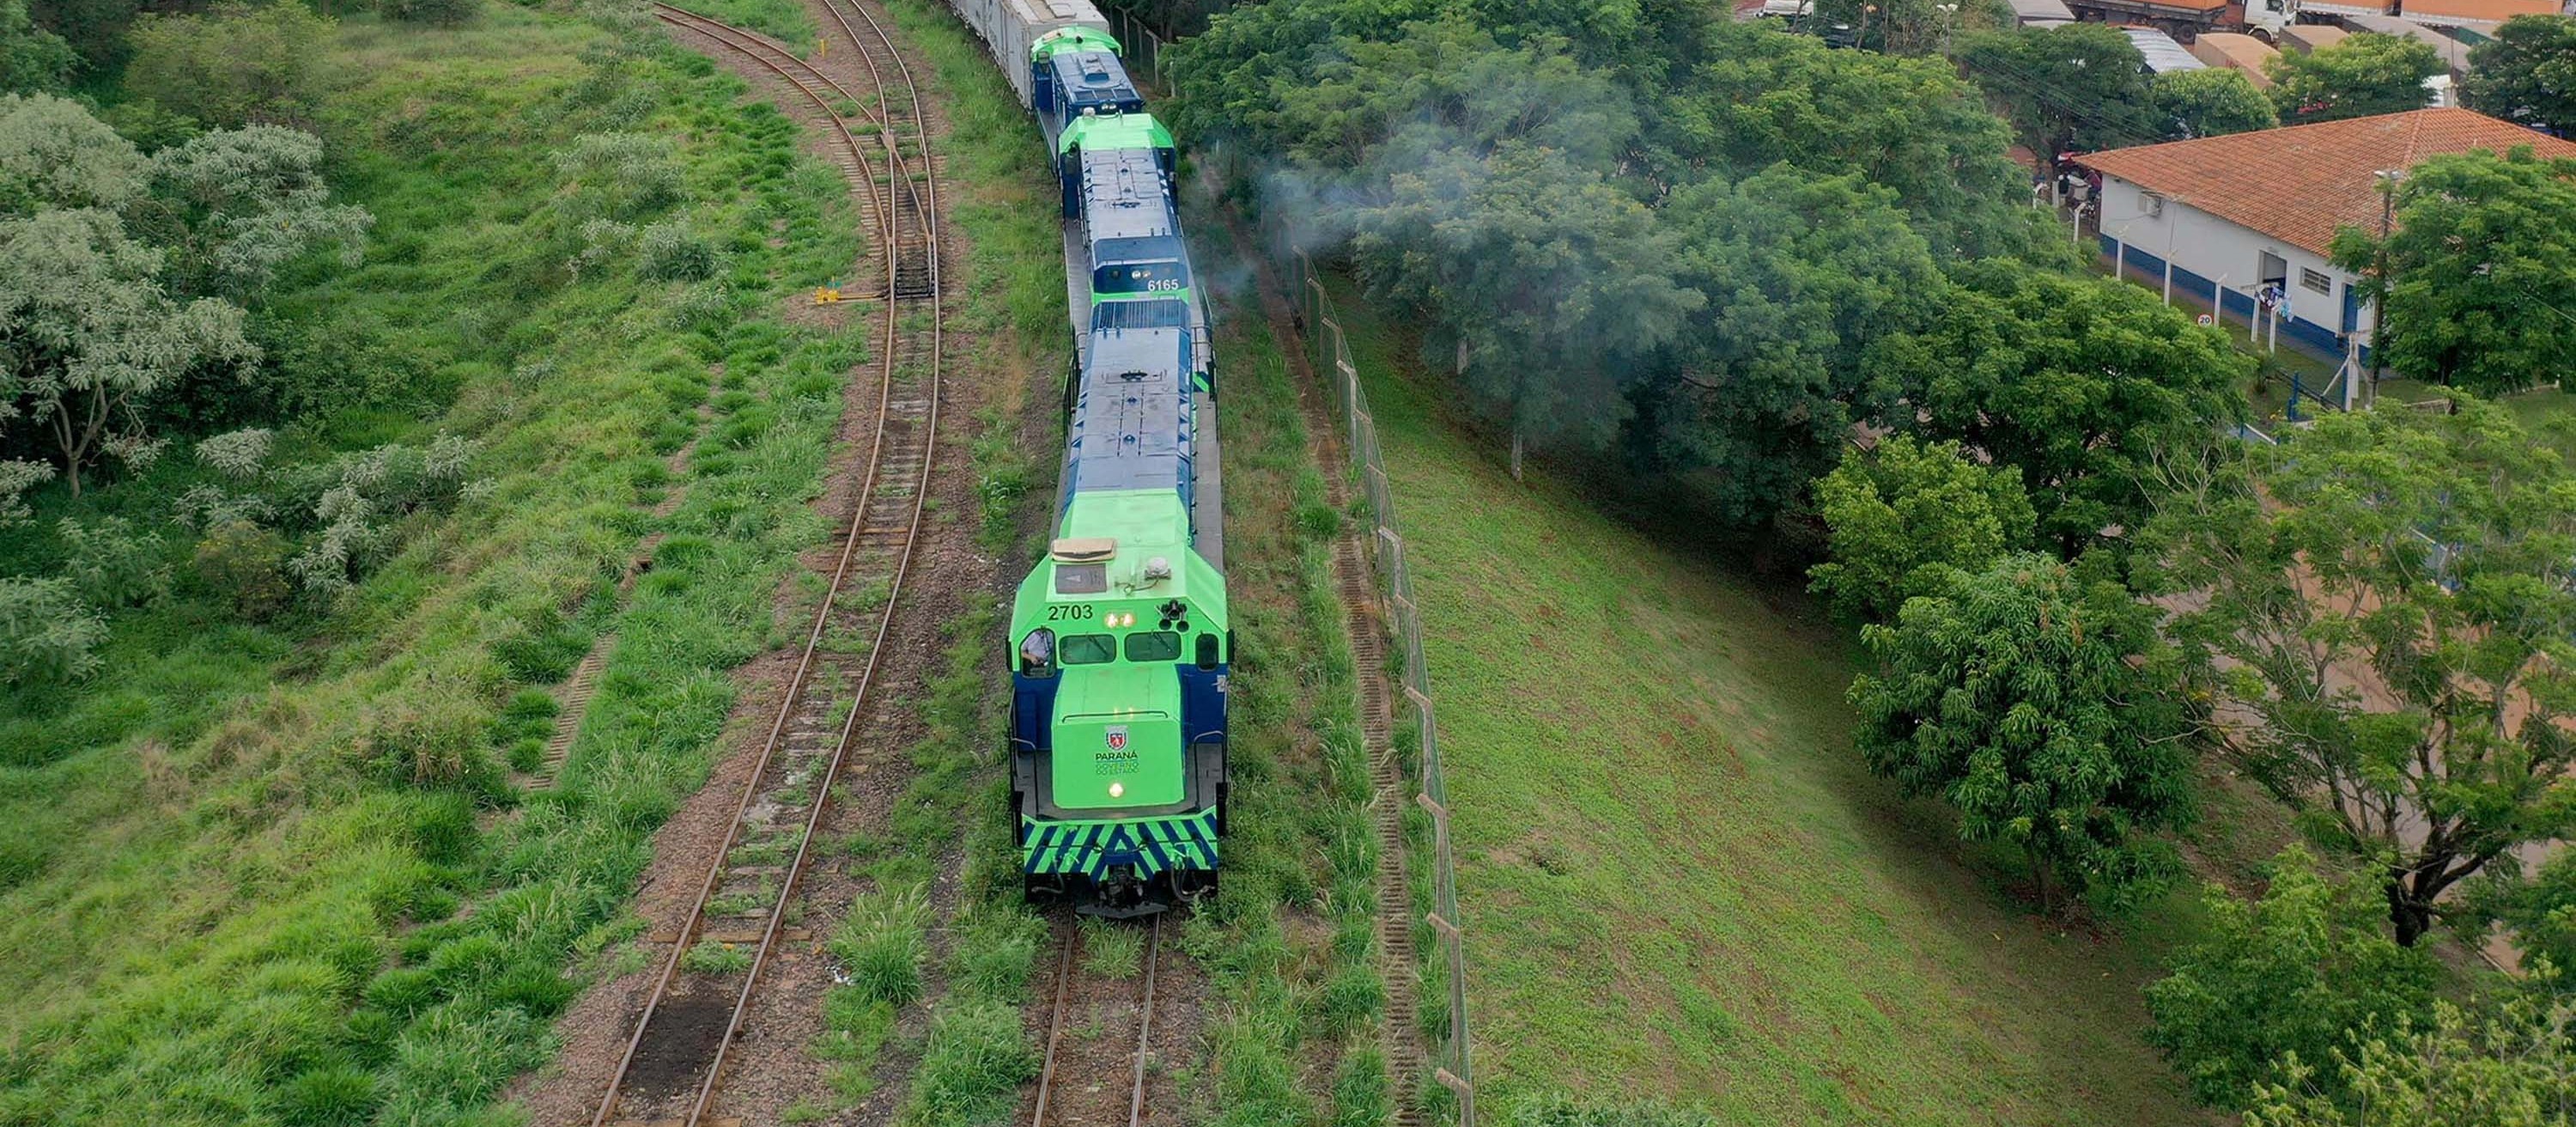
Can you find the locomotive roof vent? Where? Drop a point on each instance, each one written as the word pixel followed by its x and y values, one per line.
pixel 1083 549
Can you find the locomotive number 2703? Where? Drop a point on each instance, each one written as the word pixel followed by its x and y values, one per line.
pixel 1061 613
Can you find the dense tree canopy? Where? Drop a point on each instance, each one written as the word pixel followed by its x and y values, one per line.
pixel 2480 289
pixel 1801 273
pixel 2527 73
pixel 2506 1064
pixel 2366 74
pixel 1548 278
pixel 2078 86
pixel 2081 383
pixel 1636 222
pixel 2388 596
pixel 2280 979
pixel 2036 700
pixel 233 65
pixel 2209 102
pixel 31 58
pixel 1902 513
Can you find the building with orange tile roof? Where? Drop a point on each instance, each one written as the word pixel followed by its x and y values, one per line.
pixel 2220 219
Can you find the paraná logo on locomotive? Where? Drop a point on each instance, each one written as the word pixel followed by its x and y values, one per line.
pixel 1118 738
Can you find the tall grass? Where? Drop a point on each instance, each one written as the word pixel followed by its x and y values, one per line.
pixel 222 912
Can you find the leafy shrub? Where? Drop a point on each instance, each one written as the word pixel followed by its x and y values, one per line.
pixel 237 454
pixel 2289 973
pixel 247 565
pixel 46 632
pixel 16 477
pixel 438 13
pixel 111 564
pixel 670 252
pixel 235 64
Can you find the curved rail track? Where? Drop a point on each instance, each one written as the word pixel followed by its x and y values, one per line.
pixel 1067 1105
pixel 676 1058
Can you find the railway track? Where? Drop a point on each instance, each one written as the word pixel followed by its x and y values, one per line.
pixel 1070 1093
pixel 675 1060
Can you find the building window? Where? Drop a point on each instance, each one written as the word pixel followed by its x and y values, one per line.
pixel 2315 280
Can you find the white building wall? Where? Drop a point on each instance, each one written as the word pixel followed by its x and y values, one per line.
pixel 2222 251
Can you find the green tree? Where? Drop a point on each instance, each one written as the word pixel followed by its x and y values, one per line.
pixel 31 58
pixel 1801 273
pixel 53 153
pixel 2477 277
pixel 2527 73
pixel 2366 74
pixel 2036 699
pixel 88 340
pixel 2079 86
pixel 234 65
pixel 46 634
pixel 2081 383
pixel 1902 514
pixel 235 205
pixel 1551 280
pixel 2280 979
pixel 2386 597
pixel 2508 1065
pixel 1912 126
pixel 2209 102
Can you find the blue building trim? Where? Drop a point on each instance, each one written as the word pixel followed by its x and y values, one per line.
pixel 2148 269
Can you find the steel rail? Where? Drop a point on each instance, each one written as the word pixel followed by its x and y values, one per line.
pixel 770 56
pixel 926 201
pixel 1144 1024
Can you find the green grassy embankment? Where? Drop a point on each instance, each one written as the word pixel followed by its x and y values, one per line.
pixel 271 871
pixel 1677 878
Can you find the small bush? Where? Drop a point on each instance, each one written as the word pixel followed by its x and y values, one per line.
pixel 670 252
pixel 882 946
pixel 112 564
pixel 972 1067
pixel 995 955
pixel 437 13
pixel 246 565
pixel 46 633
pixel 428 736
pixel 337 1096
pixel 708 956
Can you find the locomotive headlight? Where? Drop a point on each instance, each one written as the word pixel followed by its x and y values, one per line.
pixel 1117 790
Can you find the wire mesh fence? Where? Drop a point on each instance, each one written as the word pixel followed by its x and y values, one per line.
pixel 1328 350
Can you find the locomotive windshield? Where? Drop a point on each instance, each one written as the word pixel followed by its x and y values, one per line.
pixel 1141 277
pixel 1089 649
pixel 1153 645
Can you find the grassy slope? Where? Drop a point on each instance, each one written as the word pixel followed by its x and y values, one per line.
pixel 1677 879
pixel 241 915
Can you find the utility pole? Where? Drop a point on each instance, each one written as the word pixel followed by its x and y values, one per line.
pixel 2379 269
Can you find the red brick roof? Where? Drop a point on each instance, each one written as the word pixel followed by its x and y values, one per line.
pixel 2299 182
pixel 2475 11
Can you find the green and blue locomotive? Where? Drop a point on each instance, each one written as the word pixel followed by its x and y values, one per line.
pixel 1120 645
